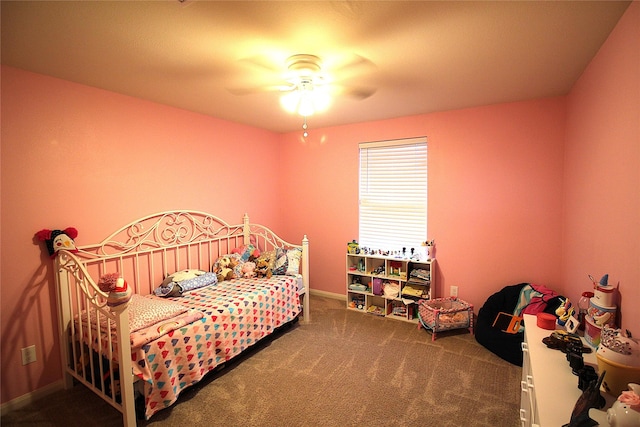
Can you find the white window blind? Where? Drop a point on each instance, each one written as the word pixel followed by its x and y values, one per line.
pixel 393 194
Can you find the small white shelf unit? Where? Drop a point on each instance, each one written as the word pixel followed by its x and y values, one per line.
pixel 367 275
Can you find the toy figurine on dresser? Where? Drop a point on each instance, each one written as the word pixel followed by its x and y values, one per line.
pixel 602 310
pixel 625 411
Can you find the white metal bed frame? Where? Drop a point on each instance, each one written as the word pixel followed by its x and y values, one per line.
pixel 143 252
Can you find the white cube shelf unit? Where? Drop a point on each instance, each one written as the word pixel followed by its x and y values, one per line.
pixel 368 276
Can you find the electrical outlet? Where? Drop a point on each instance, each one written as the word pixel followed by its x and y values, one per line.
pixel 453 290
pixel 28 354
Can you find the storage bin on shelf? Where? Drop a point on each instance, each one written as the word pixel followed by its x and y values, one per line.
pixel 444 314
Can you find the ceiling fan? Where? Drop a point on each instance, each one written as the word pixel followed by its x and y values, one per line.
pixel 306 87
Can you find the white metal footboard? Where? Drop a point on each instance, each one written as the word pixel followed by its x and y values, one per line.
pixel 77 293
pixel 143 253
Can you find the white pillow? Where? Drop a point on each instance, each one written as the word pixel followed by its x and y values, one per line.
pixel 287 261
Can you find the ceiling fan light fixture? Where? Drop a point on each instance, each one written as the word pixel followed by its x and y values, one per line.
pixel 321 98
pixel 306 100
pixel 306 104
pixel 289 101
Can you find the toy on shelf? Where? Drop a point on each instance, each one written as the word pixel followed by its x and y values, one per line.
pixel 427 250
pixel 394 268
pixel 356 285
pixel 357 302
pixel 375 310
pixel 391 289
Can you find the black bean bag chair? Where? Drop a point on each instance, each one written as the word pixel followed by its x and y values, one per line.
pixel 505 345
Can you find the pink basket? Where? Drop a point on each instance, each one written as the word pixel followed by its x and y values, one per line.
pixel 444 314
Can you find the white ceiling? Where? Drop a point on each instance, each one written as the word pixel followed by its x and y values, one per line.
pixel 427 56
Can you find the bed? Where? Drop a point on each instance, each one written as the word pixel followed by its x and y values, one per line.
pixel 141 348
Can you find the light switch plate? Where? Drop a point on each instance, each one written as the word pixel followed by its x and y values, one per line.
pixel 28 354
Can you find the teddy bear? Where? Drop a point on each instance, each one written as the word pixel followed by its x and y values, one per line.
pixel 262 269
pixel 224 268
pixel 248 269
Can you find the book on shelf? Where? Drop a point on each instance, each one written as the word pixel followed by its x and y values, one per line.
pixel 375 310
pixel 415 290
pixel 420 274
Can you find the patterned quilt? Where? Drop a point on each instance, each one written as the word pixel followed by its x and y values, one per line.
pixel 237 314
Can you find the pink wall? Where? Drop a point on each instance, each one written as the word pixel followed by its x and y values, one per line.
pixel 602 171
pixel 499 182
pixel 495 177
pixel 77 156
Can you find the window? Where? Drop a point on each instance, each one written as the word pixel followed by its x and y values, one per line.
pixel 393 194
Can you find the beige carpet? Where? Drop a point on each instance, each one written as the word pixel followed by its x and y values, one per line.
pixel 342 369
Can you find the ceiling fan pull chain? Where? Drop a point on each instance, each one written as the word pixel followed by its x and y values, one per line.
pixel 304 128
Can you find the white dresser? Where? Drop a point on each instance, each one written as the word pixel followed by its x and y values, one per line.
pixel 549 389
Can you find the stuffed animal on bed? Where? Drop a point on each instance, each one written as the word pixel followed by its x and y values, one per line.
pixel 224 268
pixel 248 269
pixel 262 268
pixel 182 275
pixel 117 288
pixel 58 239
pixel 170 285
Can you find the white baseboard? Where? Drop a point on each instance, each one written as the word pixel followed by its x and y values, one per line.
pixel 27 399
pixel 328 294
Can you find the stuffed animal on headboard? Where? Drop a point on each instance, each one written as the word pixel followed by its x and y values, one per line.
pixel 58 239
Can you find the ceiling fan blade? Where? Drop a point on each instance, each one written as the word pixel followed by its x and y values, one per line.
pixel 353 64
pixel 259 61
pixel 357 92
pixel 260 89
